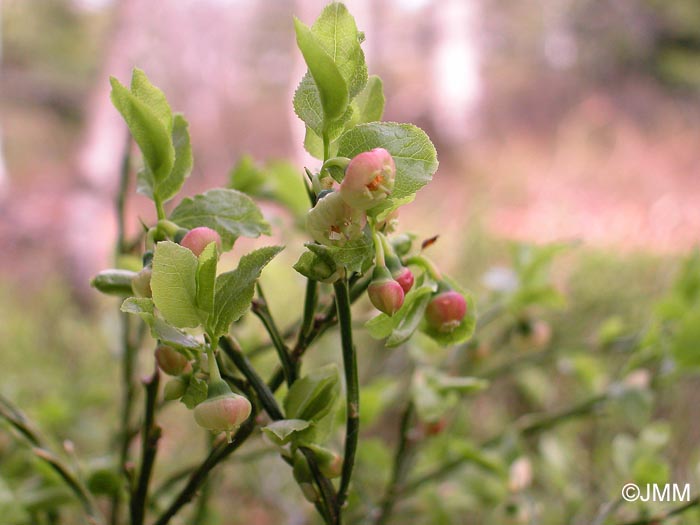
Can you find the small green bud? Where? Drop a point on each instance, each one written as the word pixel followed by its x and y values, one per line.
pixel 174 389
pixel 329 463
pixel 402 244
pixel 114 282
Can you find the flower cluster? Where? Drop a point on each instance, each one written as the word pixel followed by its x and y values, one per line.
pixel 359 208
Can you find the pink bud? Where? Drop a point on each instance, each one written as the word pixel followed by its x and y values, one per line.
pixel 333 223
pixel 405 278
pixel 171 361
pixel 223 413
pixel 385 294
pixel 446 311
pixel 199 238
pixel 369 178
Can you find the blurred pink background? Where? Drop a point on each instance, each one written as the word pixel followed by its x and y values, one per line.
pixel 551 119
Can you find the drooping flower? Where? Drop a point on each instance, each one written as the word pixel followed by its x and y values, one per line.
pixel 333 223
pixel 446 310
pixel 369 179
pixel 384 292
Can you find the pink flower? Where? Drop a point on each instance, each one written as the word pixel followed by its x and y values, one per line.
pixel 369 179
pixel 333 223
pixel 223 413
pixel 446 310
pixel 404 277
pixel 384 292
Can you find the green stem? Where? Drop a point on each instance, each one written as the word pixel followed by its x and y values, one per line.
pixel 150 436
pixel 352 425
pixel 307 321
pixel 129 348
pixel 328 508
pixel 378 249
pixel 267 399
pixel 214 374
pixel 326 146
pixel 318 328
pixel 160 210
pixel 425 263
pixel 262 311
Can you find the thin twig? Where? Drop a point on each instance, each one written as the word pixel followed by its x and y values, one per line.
pixel 320 324
pixel 262 311
pixel 267 399
pixel 150 435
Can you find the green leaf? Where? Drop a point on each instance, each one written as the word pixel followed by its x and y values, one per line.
pixel 356 255
pixel 332 88
pixel 160 330
pixel 152 97
pixel 234 290
pixel 167 188
pixel 309 108
pixel 317 265
pixel 174 284
pixel 150 132
pixel 230 213
pixel 282 431
pixel 206 279
pixel 368 106
pixel 414 154
pixel 313 396
pixel 337 35
pixel 195 392
pixel 313 144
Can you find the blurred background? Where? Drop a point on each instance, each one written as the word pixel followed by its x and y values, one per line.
pixel 554 120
